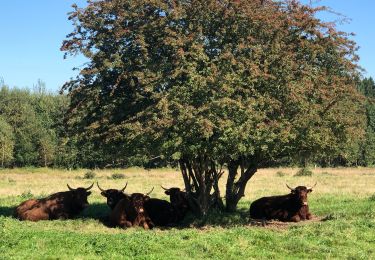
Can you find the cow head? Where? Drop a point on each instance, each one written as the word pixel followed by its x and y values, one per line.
pixel 113 196
pixel 178 198
pixel 79 196
pixel 300 193
pixel 138 200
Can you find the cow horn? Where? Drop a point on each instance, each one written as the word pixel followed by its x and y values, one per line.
pixel 90 187
pixel 289 187
pixel 70 188
pixel 126 185
pixel 97 183
pixel 150 191
pixel 164 188
pixel 310 188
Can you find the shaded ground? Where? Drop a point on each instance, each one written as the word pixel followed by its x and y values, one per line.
pixel 276 224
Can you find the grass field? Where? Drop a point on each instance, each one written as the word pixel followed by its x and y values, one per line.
pixel 344 198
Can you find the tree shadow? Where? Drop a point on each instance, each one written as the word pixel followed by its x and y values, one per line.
pixel 97 211
pixel 217 219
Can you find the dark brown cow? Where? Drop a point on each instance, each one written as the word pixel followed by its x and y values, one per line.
pixel 179 201
pixel 127 210
pixel 61 205
pixel 290 207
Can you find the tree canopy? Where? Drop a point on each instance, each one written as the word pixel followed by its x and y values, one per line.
pixel 211 84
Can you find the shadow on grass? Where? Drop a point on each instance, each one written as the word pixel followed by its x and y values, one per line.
pixel 97 211
pixel 100 212
pixel 7 211
pixel 218 219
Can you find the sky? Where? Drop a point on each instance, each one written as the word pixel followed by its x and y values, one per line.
pixel 31 33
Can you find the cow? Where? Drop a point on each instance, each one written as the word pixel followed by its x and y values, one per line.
pixel 179 201
pixel 127 210
pixel 60 205
pixel 161 212
pixel 292 207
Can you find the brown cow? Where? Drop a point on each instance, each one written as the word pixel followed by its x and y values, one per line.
pixel 127 210
pixel 290 207
pixel 61 205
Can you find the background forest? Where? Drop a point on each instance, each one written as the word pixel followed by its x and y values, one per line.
pixel 33 133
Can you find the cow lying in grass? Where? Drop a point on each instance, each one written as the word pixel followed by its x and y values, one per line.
pixel 127 210
pixel 160 212
pixel 179 202
pixel 60 205
pixel 291 207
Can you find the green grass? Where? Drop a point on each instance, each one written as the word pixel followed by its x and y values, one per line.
pixel 347 231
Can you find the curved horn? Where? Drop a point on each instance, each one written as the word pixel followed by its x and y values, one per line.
pixel 70 188
pixel 150 191
pixel 289 186
pixel 90 187
pixel 122 190
pixel 97 183
pixel 310 188
pixel 163 188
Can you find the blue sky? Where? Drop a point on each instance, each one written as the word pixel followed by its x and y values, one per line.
pixel 31 33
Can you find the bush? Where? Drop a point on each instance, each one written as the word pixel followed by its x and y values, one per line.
pixel 89 175
pixel 303 172
pixel 117 176
pixel 280 174
pixel 27 195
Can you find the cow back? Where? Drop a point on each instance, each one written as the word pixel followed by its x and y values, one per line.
pixel 161 212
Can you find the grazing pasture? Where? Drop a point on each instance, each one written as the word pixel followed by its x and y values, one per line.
pixel 343 205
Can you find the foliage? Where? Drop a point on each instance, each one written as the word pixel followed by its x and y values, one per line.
pixel 89 175
pixel 212 84
pixel 303 172
pixel 117 176
pixel 6 143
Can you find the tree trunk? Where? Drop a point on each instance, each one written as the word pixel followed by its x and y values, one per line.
pixel 236 190
pixel 200 177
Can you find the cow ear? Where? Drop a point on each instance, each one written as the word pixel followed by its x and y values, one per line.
pixel 104 194
pixel 309 190
pixel 167 192
pixel 88 193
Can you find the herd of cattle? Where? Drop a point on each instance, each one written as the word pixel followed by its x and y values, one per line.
pixel 138 209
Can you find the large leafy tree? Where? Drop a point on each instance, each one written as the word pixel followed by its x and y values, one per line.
pixel 210 84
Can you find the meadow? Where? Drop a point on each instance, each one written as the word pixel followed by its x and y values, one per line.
pixel 343 205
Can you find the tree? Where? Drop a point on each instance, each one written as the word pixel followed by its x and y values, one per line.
pixel 367 88
pixel 6 142
pixel 212 84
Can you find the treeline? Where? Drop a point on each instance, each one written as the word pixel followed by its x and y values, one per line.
pixel 33 133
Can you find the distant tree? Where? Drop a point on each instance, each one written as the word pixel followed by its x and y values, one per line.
pixel 213 84
pixel 36 119
pixel 367 148
pixel 6 143
pixel 367 87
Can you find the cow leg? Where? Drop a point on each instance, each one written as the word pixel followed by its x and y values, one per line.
pixel 145 225
pixel 150 223
pixel 36 215
pixel 128 224
pixel 308 216
pixel 295 218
